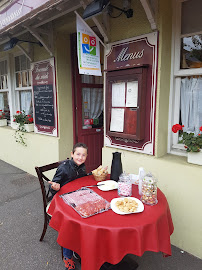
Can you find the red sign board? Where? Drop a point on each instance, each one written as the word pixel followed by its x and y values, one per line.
pixel 44 97
pixel 124 60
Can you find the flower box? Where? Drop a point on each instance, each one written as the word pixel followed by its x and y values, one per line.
pixel 195 157
pixel 29 127
pixel 15 125
pixel 3 122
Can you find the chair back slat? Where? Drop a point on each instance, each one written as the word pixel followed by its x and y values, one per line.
pixel 45 189
pixel 43 178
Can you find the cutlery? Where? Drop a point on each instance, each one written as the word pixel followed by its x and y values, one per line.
pixel 95 185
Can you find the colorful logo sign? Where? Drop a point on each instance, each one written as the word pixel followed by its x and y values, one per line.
pixel 88 44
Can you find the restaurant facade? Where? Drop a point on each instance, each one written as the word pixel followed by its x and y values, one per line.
pixel 151 79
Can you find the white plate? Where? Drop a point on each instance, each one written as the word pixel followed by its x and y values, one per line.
pixel 117 211
pixel 108 185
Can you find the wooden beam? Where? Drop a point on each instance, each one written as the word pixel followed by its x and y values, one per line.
pixel 149 12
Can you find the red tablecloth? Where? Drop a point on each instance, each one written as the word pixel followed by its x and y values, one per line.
pixel 108 237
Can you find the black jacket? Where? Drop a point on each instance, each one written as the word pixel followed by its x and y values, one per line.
pixel 67 172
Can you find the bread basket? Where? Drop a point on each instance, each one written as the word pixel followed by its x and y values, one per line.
pixel 101 177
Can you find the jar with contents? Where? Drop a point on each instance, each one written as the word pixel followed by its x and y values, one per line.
pixel 149 190
pixel 124 185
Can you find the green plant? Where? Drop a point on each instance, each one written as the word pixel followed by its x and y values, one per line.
pixel 192 143
pixel 20 136
pixel 20 117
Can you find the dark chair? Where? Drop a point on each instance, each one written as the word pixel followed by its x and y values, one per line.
pixel 47 196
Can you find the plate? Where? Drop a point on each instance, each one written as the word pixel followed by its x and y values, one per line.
pixel 108 185
pixel 117 211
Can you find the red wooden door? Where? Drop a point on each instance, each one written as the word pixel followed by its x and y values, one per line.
pixel 87 93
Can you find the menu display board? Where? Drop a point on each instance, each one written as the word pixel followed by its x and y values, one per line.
pixel 44 97
pixel 130 91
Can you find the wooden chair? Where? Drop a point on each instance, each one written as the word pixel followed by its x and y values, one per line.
pixel 47 196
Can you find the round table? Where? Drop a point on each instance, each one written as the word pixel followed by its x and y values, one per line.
pixel 108 237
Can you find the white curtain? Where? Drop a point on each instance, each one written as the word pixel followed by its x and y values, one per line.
pixel 93 101
pixel 1 101
pixel 26 101
pixel 191 104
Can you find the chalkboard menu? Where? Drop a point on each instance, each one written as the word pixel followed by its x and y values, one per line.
pixel 44 97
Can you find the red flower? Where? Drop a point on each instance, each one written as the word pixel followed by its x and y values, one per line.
pixel 3 113
pixel 28 115
pixel 200 128
pixel 18 112
pixel 185 146
pixel 182 125
pixel 0 110
pixel 30 119
pixel 176 128
pixel 1 116
pixel 14 120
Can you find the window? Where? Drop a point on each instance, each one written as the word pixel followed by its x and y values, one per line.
pixel 23 84
pixel 4 90
pixel 186 82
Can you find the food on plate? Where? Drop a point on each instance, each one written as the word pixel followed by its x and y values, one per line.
pixel 90 208
pixel 127 205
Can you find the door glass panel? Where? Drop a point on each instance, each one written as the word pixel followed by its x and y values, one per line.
pixel 92 108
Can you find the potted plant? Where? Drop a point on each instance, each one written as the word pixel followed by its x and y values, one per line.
pixel 23 122
pixel 192 143
pixel 18 120
pixel 29 125
pixel 3 120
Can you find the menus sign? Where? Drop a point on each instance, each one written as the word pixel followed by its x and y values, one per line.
pixel 17 9
pixel 131 82
pixel 88 50
pixel 44 97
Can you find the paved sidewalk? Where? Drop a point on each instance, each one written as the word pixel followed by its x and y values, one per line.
pixel 21 223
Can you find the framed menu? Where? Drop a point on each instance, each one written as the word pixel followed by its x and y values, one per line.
pixel 44 97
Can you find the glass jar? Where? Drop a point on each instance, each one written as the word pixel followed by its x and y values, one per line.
pixel 149 190
pixel 124 185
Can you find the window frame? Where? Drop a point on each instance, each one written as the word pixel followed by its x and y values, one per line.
pixel 17 90
pixel 175 82
pixel 8 90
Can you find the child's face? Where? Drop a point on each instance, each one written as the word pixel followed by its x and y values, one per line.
pixel 79 156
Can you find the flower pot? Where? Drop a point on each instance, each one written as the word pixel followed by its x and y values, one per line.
pixel 29 127
pixel 3 122
pixel 15 125
pixel 195 157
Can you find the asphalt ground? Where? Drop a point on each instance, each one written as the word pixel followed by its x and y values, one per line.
pixel 21 224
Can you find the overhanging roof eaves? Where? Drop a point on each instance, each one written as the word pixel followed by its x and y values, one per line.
pixel 48 5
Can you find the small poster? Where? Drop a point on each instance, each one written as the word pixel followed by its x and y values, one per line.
pixel 118 94
pixel 117 120
pixel 132 94
pixel 88 50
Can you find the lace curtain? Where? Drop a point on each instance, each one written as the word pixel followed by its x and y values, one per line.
pixel 191 104
pixel 93 98
pixel 26 101
pixel 1 101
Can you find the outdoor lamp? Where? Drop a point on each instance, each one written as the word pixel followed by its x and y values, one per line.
pixel 97 6
pixel 13 41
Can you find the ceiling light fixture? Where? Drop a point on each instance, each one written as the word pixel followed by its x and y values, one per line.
pixel 13 41
pixel 97 6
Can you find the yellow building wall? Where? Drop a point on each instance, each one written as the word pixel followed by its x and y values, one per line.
pixel 179 180
pixel 40 150
pixel 44 149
